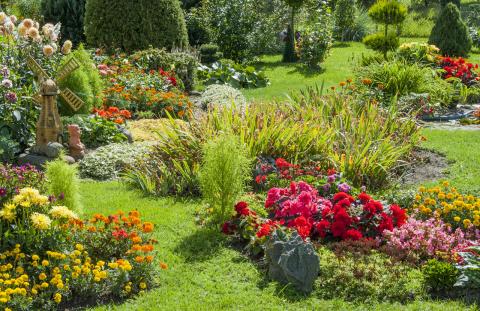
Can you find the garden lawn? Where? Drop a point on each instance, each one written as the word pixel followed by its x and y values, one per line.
pixel 285 78
pixel 205 273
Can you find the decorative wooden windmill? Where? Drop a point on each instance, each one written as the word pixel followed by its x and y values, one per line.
pixel 49 125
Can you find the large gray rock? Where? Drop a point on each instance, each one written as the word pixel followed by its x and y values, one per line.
pixel 292 260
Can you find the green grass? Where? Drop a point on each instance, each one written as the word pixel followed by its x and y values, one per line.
pixel 461 148
pixel 339 66
pixel 285 78
pixel 206 273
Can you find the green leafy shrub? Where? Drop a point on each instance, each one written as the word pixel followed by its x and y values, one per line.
pixel 386 13
pixel 344 16
pixel 209 53
pixel 228 72
pixel 439 276
pixel 63 183
pixel 316 41
pixel 469 269
pixel 96 131
pixel 444 3
pixel 9 148
pixel 29 8
pixel 199 30
pixel 399 78
pixel 222 95
pixel 450 34
pixel 380 42
pixel 372 277
pixel 135 25
pixel 183 64
pixel 85 82
pixel 415 52
pixel 224 174
pixel 70 13
pixel 109 162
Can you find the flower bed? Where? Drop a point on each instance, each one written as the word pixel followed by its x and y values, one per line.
pixel 51 258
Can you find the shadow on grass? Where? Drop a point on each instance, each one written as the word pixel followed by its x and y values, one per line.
pixel 291 67
pixel 283 291
pixel 201 245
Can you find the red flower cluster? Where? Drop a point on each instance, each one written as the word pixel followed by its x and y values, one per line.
pixel 342 217
pixel 113 114
pixel 169 75
pixel 459 68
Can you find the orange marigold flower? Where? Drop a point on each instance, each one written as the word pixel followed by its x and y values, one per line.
pixel 147 227
pixel 147 248
pixel 136 247
pixel 149 258
pixel 134 214
pixel 137 239
pixel 163 266
pixel 139 259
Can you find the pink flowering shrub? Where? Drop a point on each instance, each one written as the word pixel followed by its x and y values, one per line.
pixel 419 240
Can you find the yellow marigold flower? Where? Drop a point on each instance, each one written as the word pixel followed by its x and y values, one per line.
pixel 441 196
pixel 128 288
pixel 456 218
pixel 42 276
pixel 57 298
pixel 467 222
pixel 35 257
pixel 79 247
pixel 422 189
pixel 44 285
pixel 45 263
pixel 143 285
pixel 40 221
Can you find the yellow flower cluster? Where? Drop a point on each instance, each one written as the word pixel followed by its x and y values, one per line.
pixel 62 212
pixel 446 203
pixel 53 275
pixel 27 197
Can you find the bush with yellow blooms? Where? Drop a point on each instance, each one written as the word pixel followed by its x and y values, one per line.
pixel 446 203
pixel 51 259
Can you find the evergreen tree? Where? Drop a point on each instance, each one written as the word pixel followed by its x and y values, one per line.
pixel 450 34
pixel 70 13
pixel 344 19
pixel 135 25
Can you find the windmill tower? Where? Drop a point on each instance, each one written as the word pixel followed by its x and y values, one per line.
pixel 49 125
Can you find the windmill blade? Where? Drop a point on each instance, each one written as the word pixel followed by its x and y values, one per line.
pixel 38 98
pixel 37 70
pixel 71 65
pixel 73 100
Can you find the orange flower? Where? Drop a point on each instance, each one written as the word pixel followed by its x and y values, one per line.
pixel 118 121
pixel 137 239
pixel 134 214
pixel 139 259
pixel 147 248
pixel 136 247
pixel 92 229
pixel 342 84
pixel 147 227
pixel 163 266
pixel 149 258
pixel 367 81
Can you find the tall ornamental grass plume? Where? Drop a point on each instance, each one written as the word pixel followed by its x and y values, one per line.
pixel 63 183
pixel 224 174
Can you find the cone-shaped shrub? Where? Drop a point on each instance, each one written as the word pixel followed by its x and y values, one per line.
pixel 135 25
pixel 450 34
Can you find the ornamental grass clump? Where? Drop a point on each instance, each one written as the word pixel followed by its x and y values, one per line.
pixel 63 183
pixel 224 174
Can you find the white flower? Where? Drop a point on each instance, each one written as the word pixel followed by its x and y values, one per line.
pixel 7 83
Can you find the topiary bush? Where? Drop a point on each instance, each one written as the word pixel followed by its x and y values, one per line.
pixel 135 25
pixel 209 53
pixel 386 13
pixel 450 34
pixel 439 276
pixel 85 82
pixel 344 19
pixel 68 12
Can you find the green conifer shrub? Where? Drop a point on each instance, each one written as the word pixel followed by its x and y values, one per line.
pixel 68 12
pixel 450 34
pixel 387 13
pixel 344 19
pixel 135 25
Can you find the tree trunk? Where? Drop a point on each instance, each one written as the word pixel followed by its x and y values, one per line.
pixel 289 55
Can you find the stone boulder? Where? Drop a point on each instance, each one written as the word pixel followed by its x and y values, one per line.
pixel 292 260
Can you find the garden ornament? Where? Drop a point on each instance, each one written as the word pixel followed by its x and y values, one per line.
pixel 77 149
pixel 49 125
